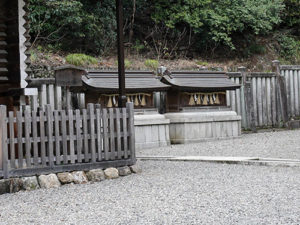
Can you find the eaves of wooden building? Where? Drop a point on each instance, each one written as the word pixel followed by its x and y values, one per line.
pixel 14 51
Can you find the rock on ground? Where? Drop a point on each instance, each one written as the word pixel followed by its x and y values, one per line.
pixel 111 173
pixel 79 177
pixel 65 178
pixel 4 186
pixel 15 185
pixel 136 169
pixel 49 181
pixel 124 171
pixel 95 175
pixel 30 183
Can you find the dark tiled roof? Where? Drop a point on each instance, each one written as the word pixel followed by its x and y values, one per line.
pixel 107 81
pixel 200 81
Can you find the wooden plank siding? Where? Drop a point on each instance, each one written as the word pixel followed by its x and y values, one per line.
pixel 58 97
pixel 264 91
pixel 55 140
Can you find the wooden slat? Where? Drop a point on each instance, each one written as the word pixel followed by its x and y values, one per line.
pixel 20 136
pixel 42 135
pixel 81 100
pixel 292 93
pixel 98 131
pixel 269 97
pixel 12 140
pixel 278 103
pixel 34 102
pixel 131 130
pixel 68 98
pixel 58 98
pixel 254 93
pixel 105 134
pixel 50 96
pixel 64 135
pixel 43 96
pixel 273 101
pixel 50 134
pixel 4 150
pixel 259 102
pixel 264 101
pixel 85 135
pixel 111 134
pixel 91 111
pixel 296 93
pixel 298 77
pixel 228 97
pixel 287 83
pixel 78 136
pixel 243 107
pixel 71 135
pixel 57 137
pixel 125 128
pixel 238 97
pixel 118 132
pixel 233 99
pixel 27 138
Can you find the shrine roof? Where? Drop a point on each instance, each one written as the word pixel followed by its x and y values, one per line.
pixel 136 81
pixel 199 81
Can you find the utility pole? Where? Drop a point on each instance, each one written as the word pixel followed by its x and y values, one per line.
pixel 121 64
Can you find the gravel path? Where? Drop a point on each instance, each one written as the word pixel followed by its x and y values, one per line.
pixel 281 144
pixel 167 193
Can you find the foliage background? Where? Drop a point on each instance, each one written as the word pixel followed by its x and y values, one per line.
pixel 170 29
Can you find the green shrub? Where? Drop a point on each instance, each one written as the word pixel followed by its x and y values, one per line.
pixel 88 26
pixel 219 22
pixel 127 63
pixel 81 60
pixel 289 48
pixel 202 63
pixel 151 64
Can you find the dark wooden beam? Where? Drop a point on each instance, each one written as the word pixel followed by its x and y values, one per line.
pixel 121 64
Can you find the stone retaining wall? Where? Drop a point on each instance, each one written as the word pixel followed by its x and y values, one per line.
pixel 13 185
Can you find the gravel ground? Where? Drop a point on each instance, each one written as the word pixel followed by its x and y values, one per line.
pixel 167 193
pixel 280 144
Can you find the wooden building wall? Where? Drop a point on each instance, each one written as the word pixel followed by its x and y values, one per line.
pixel 14 45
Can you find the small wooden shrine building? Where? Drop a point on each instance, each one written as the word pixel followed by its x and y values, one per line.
pixel 196 106
pixel 102 87
pixel 195 90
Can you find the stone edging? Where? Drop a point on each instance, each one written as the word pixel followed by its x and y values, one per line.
pixel 13 185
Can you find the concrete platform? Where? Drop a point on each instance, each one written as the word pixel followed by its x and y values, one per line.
pixel 151 131
pixel 190 127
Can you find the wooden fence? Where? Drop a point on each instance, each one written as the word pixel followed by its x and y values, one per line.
pixel 266 96
pixel 292 80
pixel 44 141
pixel 264 99
pixel 58 97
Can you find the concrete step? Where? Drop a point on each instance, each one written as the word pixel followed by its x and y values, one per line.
pixel 227 160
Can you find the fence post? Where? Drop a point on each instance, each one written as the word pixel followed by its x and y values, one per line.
pixel 282 93
pixel 247 101
pixel 3 137
pixel 249 106
pixel 129 106
pixel 242 70
pixel 49 114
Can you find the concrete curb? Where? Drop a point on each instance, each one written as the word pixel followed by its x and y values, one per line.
pixel 257 161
